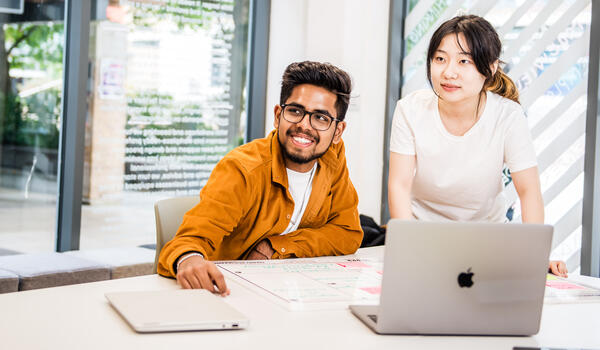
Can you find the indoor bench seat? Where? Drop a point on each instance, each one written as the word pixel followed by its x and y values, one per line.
pixel 9 282
pixel 42 270
pixel 122 261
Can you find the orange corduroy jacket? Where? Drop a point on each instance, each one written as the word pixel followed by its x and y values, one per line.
pixel 246 200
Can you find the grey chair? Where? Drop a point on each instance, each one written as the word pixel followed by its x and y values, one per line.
pixel 169 215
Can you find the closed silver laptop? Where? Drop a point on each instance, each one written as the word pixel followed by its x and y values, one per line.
pixel 176 310
pixel 461 278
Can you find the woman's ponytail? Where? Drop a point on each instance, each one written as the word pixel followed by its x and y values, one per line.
pixel 502 85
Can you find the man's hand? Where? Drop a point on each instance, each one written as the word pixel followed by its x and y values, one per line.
pixel 558 268
pixel 262 251
pixel 197 273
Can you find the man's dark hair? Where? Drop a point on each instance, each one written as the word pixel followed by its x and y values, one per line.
pixel 324 75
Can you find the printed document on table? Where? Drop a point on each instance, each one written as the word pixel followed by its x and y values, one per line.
pixel 336 282
pixel 560 290
pixel 316 283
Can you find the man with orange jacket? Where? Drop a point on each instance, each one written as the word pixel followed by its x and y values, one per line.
pixel 283 196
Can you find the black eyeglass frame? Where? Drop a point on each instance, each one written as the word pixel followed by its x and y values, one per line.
pixel 310 114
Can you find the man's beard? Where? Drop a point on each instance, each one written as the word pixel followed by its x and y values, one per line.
pixel 297 158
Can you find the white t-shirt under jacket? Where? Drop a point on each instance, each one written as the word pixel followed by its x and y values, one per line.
pixel 459 178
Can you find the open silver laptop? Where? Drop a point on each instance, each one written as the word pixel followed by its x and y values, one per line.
pixel 176 310
pixel 461 278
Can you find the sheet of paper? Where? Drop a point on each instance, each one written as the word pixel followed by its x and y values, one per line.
pixel 560 290
pixel 336 282
pixel 309 284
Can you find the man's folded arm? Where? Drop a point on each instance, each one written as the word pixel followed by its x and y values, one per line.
pixel 202 230
pixel 330 239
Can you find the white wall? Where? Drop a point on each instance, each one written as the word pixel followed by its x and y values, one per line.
pixel 353 35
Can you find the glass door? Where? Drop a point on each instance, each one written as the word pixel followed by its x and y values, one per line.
pixel 31 79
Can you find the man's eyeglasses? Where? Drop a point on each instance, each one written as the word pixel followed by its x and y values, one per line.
pixel 318 120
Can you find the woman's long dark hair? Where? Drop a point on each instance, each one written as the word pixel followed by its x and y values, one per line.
pixel 484 47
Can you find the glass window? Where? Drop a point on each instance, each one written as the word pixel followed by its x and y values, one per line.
pixel 31 79
pixel 167 103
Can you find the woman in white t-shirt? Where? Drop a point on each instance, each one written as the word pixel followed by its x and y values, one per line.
pixel 449 144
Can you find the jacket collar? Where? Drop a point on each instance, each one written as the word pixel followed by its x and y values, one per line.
pixel 278 172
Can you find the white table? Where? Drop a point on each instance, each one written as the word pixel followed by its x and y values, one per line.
pixel 79 317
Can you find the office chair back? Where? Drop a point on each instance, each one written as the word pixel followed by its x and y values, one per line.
pixel 169 215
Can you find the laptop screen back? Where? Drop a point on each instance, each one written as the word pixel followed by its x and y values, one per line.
pixel 463 278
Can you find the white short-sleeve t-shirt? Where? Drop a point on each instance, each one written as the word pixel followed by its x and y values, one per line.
pixel 459 178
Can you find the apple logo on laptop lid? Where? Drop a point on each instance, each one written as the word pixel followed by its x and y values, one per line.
pixel 465 279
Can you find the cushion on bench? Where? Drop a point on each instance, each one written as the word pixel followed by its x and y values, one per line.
pixel 9 282
pixel 42 270
pixel 122 261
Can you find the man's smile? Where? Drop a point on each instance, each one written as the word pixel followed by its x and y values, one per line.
pixel 302 140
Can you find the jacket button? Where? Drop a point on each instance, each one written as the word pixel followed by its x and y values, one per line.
pixel 283 250
pixel 288 216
